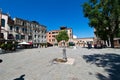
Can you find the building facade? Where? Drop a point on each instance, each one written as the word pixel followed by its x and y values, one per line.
pixel 51 37
pixel 23 30
pixel 38 33
pixel 107 43
pixel 5 26
pixel 52 34
pixel 82 42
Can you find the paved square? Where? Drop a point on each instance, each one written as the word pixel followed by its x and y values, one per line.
pixel 70 61
pixel 83 64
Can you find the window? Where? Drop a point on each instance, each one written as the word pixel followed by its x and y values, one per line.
pixel 42 36
pixel 35 36
pixel 29 37
pixel 10 36
pixel 17 28
pixel 11 28
pixel 17 37
pixel 45 37
pixel 38 41
pixel 3 22
pixel 53 40
pixel 53 32
pixel 38 36
pixel 31 31
pixel 42 31
pixel 23 29
pixel 34 40
pixel 1 35
pixel 119 41
pixel 24 24
pixel 22 36
pixel 53 35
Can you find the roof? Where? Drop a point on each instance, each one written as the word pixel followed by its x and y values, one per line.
pixel 116 38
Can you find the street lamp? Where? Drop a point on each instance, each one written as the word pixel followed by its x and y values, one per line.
pixel 64 51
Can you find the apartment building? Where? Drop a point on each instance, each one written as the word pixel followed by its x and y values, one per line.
pixel 52 34
pixel 23 30
pixel 38 33
pixel 30 31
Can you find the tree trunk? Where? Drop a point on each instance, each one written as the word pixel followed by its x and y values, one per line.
pixel 108 43
pixel 112 41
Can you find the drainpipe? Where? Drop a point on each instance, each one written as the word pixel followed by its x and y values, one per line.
pixel 0 20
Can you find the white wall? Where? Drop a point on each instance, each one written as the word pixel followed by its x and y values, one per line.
pixel 6 28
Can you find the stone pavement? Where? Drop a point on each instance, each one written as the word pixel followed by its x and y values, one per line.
pixel 36 64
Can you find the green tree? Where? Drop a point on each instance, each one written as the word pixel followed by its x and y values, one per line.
pixel 118 35
pixel 62 36
pixel 104 16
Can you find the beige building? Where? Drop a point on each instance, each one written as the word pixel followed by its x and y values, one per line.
pixel 82 42
pixel 23 30
pixel 30 31
pixel 52 34
pixel 116 42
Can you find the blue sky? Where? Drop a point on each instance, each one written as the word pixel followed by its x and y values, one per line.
pixel 51 13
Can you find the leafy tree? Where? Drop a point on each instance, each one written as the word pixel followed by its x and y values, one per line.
pixel 104 16
pixel 118 35
pixel 62 36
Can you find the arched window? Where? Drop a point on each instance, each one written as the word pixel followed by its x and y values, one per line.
pixel 3 22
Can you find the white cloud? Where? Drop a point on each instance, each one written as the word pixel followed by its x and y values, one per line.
pixel 74 36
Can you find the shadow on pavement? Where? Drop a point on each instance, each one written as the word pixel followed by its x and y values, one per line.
pixel 20 78
pixel 6 52
pixel 109 61
pixel 1 60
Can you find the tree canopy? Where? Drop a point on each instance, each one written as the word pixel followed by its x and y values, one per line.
pixel 104 17
pixel 62 36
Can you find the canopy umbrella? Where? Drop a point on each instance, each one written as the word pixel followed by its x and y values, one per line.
pixel 30 43
pixel 24 43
